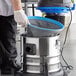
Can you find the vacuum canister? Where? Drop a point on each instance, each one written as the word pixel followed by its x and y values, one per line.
pixel 41 47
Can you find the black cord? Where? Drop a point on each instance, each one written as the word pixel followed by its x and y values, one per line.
pixel 67 65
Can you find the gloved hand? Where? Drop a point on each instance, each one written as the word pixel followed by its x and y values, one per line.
pixel 21 18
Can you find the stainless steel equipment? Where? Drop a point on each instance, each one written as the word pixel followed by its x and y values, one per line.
pixel 41 47
pixel 41 54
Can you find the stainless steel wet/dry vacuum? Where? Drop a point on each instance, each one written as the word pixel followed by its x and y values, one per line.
pixel 41 47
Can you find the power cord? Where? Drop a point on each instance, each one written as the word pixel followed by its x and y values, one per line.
pixel 67 65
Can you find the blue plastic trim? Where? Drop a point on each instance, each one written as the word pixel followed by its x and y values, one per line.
pixel 56 9
pixel 53 9
pixel 48 20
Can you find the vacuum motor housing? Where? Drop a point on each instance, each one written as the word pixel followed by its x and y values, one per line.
pixel 53 3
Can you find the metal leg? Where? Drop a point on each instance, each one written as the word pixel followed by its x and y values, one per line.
pixel 33 11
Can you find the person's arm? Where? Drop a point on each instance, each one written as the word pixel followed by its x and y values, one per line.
pixel 19 14
pixel 16 4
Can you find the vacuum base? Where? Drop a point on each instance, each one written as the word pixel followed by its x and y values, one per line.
pixel 60 73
